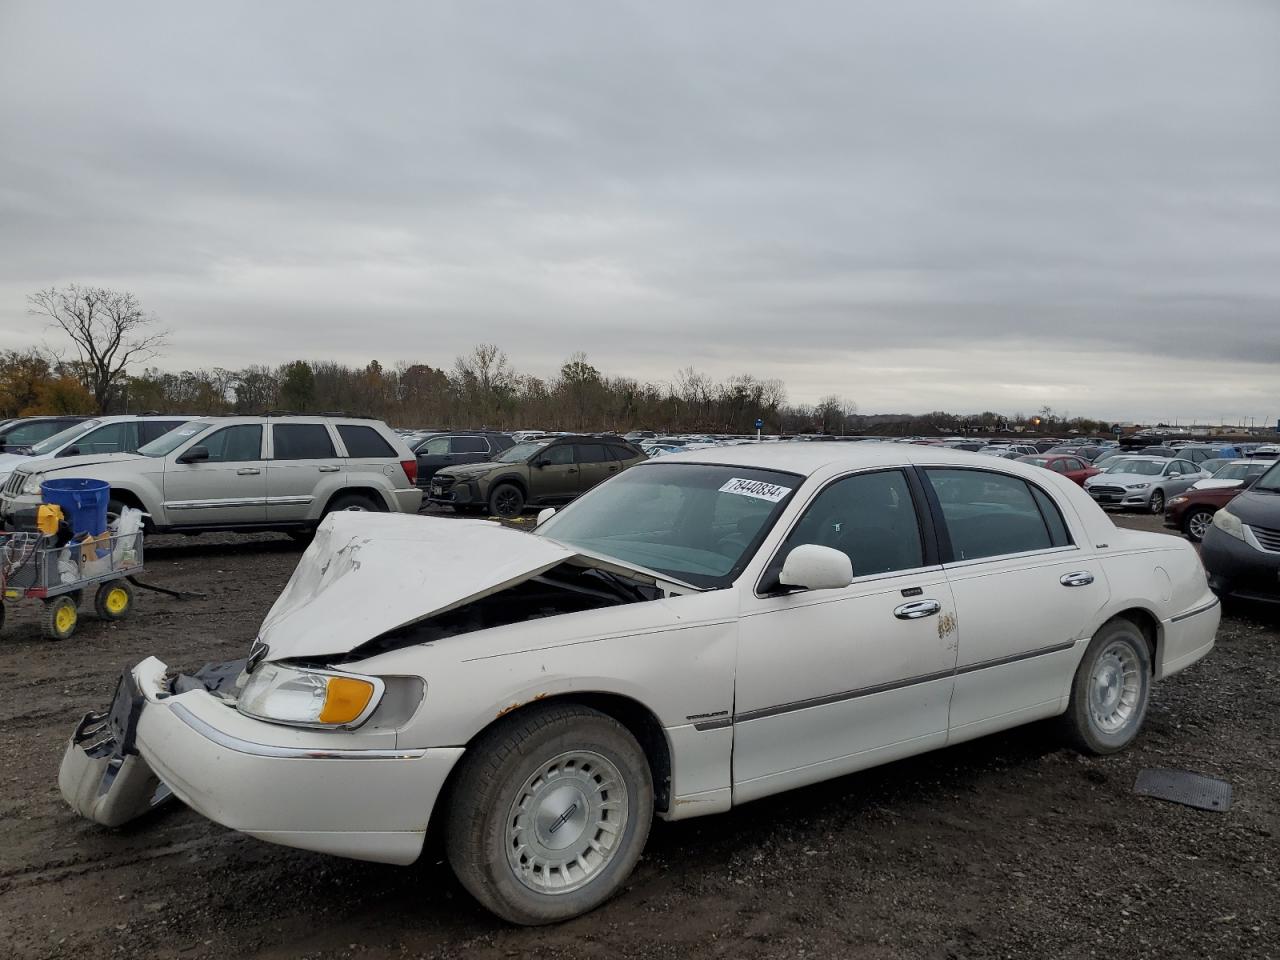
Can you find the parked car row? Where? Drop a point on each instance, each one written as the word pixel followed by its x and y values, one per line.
pixel 243 474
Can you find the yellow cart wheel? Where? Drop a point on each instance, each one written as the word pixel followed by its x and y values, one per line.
pixel 114 600
pixel 60 617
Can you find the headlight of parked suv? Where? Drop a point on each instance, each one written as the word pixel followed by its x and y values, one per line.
pixel 32 487
pixel 1136 486
pixel 313 698
pixel 1229 523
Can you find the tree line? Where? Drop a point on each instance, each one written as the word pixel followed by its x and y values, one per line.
pixel 109 337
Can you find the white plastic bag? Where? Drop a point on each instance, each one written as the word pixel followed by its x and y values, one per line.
pixel 126 537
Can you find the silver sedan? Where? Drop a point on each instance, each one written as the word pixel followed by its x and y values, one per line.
pixel 1142 483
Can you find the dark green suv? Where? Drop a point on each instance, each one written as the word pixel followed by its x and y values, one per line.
pixel 538 473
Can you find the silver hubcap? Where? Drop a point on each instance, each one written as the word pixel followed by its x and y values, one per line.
pixel 1199 524
pixel 566 822
pixel 1115 686
pixel 1157 503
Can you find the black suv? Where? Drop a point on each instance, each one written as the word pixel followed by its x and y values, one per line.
pixel 440 450
pixel 538 473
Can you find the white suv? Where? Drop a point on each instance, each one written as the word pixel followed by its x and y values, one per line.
pixel 245 474
pixel 100 435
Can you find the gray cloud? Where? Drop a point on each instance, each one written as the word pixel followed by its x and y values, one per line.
pixel 994 204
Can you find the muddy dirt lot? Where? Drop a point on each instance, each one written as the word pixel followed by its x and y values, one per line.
pixel 1007 847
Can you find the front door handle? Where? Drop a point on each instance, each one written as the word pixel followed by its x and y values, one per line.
pixel 1081 578
pixel 329 468
pixel 248 472
pixel 917 609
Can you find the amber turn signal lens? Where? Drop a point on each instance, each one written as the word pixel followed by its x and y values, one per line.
pixel 345 699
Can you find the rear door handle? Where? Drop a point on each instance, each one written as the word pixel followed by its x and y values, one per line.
pixel 329 469
pixel 917 609
pixel 248 472
pixel 1081 578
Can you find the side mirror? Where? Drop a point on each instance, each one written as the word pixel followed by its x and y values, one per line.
pixel 1250 481
pixel 540 463
pixel 544 515
pixel 194 455
pixel 71 451
pixel 813 567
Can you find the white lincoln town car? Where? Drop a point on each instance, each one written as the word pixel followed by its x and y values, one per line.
pixel 695 633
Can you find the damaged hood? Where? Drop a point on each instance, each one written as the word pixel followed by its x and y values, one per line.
pixel 368 573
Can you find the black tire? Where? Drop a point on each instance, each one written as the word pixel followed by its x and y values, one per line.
pixel 355 502
pixel 1116 649
pixel 54 624
pixel 1156 504
pixel 3 613
pixel 107 601
pixel 497 771
pixel 1197 514
pixel 506 500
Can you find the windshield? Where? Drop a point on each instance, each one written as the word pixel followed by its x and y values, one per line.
pixel 1269 482
pixel 52 444
pixel 1143 468
pixel 520 452
pixel 694 522
pixel 167 443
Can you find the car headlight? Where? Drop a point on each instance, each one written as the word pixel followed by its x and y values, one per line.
pixel 32 487
pixel 1177 500
pixel 1136 486
pixel 1229 523
pixel 313 698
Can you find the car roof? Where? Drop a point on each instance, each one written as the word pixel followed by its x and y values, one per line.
pixel 811 458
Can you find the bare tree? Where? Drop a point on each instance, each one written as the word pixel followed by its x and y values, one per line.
pixel 108 328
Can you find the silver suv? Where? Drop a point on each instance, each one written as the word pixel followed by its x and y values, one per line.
pixel 245 474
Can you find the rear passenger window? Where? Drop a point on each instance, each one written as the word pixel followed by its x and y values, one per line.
pixel 870 517
pixel 149 430
pixel 992 514
pixel 468 445
pixel 620 452
pixel 362 442
pixel 301 441
pixel 592 453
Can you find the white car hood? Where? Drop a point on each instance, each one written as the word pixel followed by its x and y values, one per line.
pixel 1214 484
pixel 368 573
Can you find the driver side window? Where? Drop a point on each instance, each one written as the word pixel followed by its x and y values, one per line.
pixel 558 456
pixel 870 517
pixel 236 444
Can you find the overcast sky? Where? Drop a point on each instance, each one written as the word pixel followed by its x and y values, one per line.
pixel 916 205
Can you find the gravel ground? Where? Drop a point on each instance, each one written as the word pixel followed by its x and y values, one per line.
pixel 1010 846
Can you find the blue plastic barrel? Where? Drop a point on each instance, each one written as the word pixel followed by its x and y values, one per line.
pixel 84 502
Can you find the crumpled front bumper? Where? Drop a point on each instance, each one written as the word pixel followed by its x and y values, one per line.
pixel 329 791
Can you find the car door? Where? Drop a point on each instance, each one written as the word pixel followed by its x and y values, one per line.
pixel 229 487
pixel 1180 475
pixel 830 681
pixel 1074 470
pixel 300 456
pixel 555 475
pixel 469 449
pixel 596 464
pixel 432 456
pixel 1026 588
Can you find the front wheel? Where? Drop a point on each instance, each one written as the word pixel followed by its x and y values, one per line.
pixel 550 814
pixel 506 501
pixel 1197 524
pixel 1111 690
pixel 114 600
pixel 60 617
pixel 1157 502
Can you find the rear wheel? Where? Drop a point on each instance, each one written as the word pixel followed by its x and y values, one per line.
pixel 549 814
pixel 506 500
pixel 60 617
pixel 1157 502
pixel 1197 523
pixel 1111 689
pixel 114 600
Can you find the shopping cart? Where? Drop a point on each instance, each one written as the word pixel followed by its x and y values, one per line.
pixel 34 567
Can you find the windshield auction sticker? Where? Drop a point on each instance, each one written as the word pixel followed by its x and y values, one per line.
pixel 755 488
